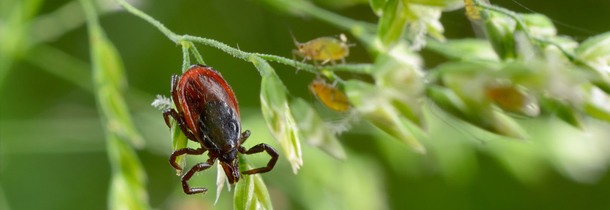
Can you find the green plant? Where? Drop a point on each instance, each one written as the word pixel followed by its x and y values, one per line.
pixel 128 188
pixel 477 87
pixel 522 72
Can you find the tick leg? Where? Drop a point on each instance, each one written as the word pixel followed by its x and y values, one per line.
pixel 260 148
pixel 343 61
pixel 187 176
pixel 176 153
pixel 175 93
pixel 181 122
pixel 244 136
pixel 325 61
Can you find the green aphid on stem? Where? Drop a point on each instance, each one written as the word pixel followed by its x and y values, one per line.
pixel 325 49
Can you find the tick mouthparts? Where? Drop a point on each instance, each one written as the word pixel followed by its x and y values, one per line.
pixel 236 169
pixel 231 170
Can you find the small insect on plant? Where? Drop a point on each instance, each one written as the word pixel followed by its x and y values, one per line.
pixel 474 15
pixel 325 49
pixel 207 113
pixel 329 95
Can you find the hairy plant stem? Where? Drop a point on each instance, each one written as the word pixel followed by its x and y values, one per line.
pixel 362 30
pixel 521 25
pixel 186 59
pixel 196 53
pixel 180 39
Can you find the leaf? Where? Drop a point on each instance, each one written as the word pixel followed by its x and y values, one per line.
pixel 109 76
pixel 483 116
pixel 598 104
pixel 250 192
pixel 401 80
pixel 371 104
pixel 179 141
pixel 507 126
pixel 447 5
pixel 447 100
pixel 121 195
pixel 478 84
pixel 124 124
pixel 468 68
pixel 471 89
pixel 539 25
pixel 524 48
pixel 464 49
pixel 112 63
pixel 312 128
pixel 377 6
pixel 595 47
pixel 595 53
pixel 279 119
pixel 423 20
pixel 470 86
pixel 392 23
pixel 128 179
pixel 564 111
pixel 499 31
pixel 413 20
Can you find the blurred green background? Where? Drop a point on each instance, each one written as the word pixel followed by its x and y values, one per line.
pixel 52 149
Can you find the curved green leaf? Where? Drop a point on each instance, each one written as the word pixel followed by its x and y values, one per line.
pixel 312 127
pixel 539 25
pixel 377 6
pixel 598 104
pixel 464 49
pixel 370 103
pixel 499 31
pixel 250 192
pixel 179 141
pixel 279 119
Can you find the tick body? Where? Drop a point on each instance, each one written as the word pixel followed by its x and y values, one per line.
pixel 329 95
pixel 325 49
pixel 207 113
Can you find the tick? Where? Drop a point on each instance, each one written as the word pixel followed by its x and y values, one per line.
pixel 207 113
pixel 329 95
pixel 325 49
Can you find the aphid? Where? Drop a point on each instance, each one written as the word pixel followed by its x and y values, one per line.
pixel 472 12
pixel 474 15
pixel 207 113
pixel 329 95
pixel 325 49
